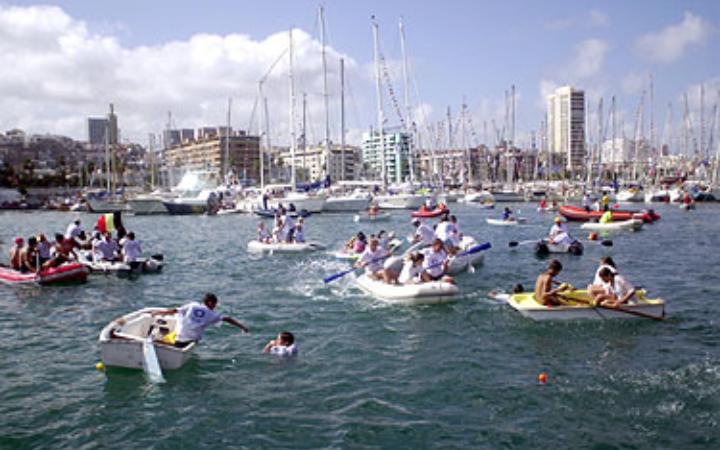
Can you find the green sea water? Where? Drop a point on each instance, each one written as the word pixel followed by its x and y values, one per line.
pixel 368 375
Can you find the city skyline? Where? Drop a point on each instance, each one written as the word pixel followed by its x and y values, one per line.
pixel 71 60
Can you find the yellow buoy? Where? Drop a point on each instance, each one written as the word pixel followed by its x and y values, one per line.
pixel 100 366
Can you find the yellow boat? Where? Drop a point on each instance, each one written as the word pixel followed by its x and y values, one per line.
pixel 578 307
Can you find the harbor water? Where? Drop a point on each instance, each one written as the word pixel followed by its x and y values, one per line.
pixel 461 375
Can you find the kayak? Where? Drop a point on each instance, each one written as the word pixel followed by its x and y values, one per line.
pixel 426 214
pixel 526 305
pixel 121 341
pixel 283 247
pixel 70 272
pixel 501 222
pixel 543 247
pixel 364 217
pixel 632 224
pixel 154 264
pixel 409 294
pixel 581 215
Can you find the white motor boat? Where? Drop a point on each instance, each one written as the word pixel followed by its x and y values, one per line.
pixel 507 196
pixel 658 195
pixel 147 204
pixel 401 201
pixel 479 197
pixel 283 247
pixel 313 203
pixel 632 224
pixel 409 294
pixel 630 195
pixel 102 202
pixel 347 203
pixel 121 341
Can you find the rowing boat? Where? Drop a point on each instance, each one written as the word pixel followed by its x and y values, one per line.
pixel 526 305
pixel 632 224
pixel 283 247
pixel 364 217
pixel 70 272
pixel 501 222
pixel 544 247
pixel 121 341
pixel 409 294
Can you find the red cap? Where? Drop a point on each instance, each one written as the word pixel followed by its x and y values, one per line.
pixel 19 240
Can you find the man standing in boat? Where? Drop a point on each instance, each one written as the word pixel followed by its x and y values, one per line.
pixel 193 318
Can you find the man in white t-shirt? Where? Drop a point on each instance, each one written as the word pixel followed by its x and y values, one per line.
pixel 131 248
pixel 73 230
pixel 423 233
pixel 435 263
pixel 194 317
pixel 443 230
pixel 559 233
pixel 617 289
pixel 372 260
pixel 283 346
pixel 105 249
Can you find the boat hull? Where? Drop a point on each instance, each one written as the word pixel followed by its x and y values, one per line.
pixel 259 247
pixel 341 204
pixel 578 214
pixel 66 273
pixel 631 225
pixel 144 207
pixel 410 294
pixel 379 217
pixel 184 209
pixel 526 305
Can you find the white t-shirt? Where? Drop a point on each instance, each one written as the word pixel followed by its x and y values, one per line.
pixel 455 234
pixel 597 280
pixel 284 350
pixel 299 235
pixel 409 272
pixel 557 229
pixel 621 287
pixel 73 231
pixel 44 249
pixel 131 250
pixel 443 230
pixel 434 259
pixel 192 319
pixel 105 249
pixel 373 259
pixel 425 233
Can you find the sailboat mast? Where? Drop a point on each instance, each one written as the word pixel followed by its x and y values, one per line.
pixel 267 142
pixel 325 93
pixel 304 133
pixel 342 119
pixel 408 121
pixel 293 142
pixel 261 98
pixel 227 141
pixel 378 90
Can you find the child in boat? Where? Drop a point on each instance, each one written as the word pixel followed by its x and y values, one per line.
pixel 360 243
pixel 617 289
pixel 299 233
pixel 15 251
pixel 284 345
pixel 412 269
pixel 263 235
pixel 435 263
pixel 507 214
pixel 544 293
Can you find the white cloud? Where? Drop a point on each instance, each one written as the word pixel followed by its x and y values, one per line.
pixel 57 73
pixel 598 18
pixel 634 83
pixel 593 18
pixel 670 43
pixel 589 58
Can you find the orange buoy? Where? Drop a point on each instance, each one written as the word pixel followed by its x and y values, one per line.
pixel 542 378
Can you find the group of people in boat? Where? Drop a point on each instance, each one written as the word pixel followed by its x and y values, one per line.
pixel 285 229
pixel 608 287
pixel 39 253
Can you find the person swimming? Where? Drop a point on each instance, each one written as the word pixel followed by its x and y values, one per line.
pixel 284 345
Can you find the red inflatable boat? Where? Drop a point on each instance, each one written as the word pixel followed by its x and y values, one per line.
pixel 581 215
pixel 66 273
pixel 425 213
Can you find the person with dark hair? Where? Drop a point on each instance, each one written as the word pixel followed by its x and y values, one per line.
pixel 435 263
pixel 62 251
pixel 617 290
pixel 131 249
pixel 283 345
pixel 372 261
pixel 544 293
pixel 193 318
pixel 598 285
pixel 412 269
pixel 15 252
pixel 29 258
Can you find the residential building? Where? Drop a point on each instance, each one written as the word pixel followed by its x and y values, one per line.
pixel 97 128
pixel 566 126
pixel 394 149
pixel 311 163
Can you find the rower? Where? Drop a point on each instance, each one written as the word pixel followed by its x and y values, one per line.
pixel 598 285
pixel 283 346
pixel 193 318
pixel 423 233
pixel 106 249
pixel 372 261
pixel 444 231
pixel 617 289
pixel 15 251
pixel 131 249
pixel 435 263
pixel 299 232
pixel 73 230
pixel 412 269
pixel 559 233
pixel 544 293
pixel 43 247
pixel 507 215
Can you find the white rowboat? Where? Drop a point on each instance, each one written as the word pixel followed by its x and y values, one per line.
pixel 632 224
pixel 409 294
pixel 501 222
pixel 365 217
pixel 283 247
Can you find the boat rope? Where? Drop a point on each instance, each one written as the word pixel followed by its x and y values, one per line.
pixel 391 91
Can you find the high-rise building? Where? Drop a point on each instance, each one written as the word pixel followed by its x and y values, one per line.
pixel 113 132
pixel 566 126
pixel 97 127
pixel 394 148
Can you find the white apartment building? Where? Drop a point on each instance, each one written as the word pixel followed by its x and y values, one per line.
pixel 394 148
pixel 344 164
pixel 566 126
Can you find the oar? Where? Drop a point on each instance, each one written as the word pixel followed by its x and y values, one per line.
pixel 151 366
pixel 334 277
pixel 516 243
pixel 611 308
pixel 470 251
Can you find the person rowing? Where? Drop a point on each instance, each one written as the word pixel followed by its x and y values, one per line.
pixel 412 270
pixel 29 258
pixel 15 253
pixel 106 249
pixel 617 290
pixel 192 320
pixel 423 233
pixel 435 263
pixel 544 292
pixel 559 233
pixel 62 252
pixel 507 215
pixel 372 261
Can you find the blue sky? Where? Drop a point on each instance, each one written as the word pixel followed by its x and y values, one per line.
pixel 475 49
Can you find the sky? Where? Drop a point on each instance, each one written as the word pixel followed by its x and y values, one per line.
pixel 67 60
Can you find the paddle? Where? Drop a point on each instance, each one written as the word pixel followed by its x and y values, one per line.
pixel 611 308
pixel 516 243
pixel 334 277
pixel 470 251
pixel 151 366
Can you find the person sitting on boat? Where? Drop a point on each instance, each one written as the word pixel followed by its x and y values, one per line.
pixel 456 234
pixel 606 217
pixel 544 293
pixel 598 285
pixel 288 228
pixel 62 252
pixel 586 201
pixel 43 248
pixel 277 235
pixel 412 269
pixel 299 233
pixel 73 229
pixel 372 261
pixel 507 215
pixel 15 251
pixel 106 249
pixel 423 233
pixel 543 203
pixel 435 263
pixel 444 231
pixel 360 243
pixel 617 289
pixel 263 235
pixel 29 258
pixel 284 345
pixel 605 201
pixel 193 318
pixel 559 233
pixel 131 249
